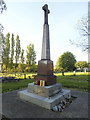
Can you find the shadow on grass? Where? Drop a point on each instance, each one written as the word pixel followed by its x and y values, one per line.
pixel 79 82
pixel 10 86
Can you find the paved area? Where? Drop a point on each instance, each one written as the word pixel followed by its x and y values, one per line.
pixel 13 107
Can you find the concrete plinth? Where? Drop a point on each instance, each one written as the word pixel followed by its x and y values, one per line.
pixel 47 103
pixel 44 96
pixel 45 91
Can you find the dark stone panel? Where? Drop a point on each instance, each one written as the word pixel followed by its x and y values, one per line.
pixel 45 67
pixel 49 79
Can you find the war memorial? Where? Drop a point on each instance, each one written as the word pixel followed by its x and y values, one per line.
pixel 46 92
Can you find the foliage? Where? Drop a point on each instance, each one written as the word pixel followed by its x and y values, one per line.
pixel 22 56
pixel 18 49
pixel 33 68
pixel 2 6
pixel 66 62
pixel 6 51
pixel 4 68
pixel 81 64
pixel 21 67
pixel 31 57
pixel 12 49
pixel 2 45
pixel 88 64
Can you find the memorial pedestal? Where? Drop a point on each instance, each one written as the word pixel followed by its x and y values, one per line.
pixel 44 96
pixel 46 91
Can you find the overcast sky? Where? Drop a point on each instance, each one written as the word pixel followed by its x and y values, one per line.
pixel 25 18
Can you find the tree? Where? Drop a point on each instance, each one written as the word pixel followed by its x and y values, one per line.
pixel 12 49
pixel 1 29
pixel 88 64
pixel 6 51
pixel 66 62
pixel 81 64
pixel 18 49
pixel 22 56
pixel 82 40
pixel 2 45
pixel 2 6
pixel 2 41
pixel 31 57
pixel 21 65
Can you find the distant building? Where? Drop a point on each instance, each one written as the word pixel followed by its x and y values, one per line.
pixel 87 69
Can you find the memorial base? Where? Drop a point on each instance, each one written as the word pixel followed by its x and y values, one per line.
pixel 50 96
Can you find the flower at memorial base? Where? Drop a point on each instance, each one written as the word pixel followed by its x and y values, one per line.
pixel 35 83
pixel 64 102
pixel 38 82
pixel 59 108
pixel 67 105
pixel 63 107
pixel 55 108
pixel 70 100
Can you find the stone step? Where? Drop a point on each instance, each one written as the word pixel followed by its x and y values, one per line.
pixel 47 103
pixel 45 91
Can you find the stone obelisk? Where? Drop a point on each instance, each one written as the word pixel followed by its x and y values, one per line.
pixel 45 65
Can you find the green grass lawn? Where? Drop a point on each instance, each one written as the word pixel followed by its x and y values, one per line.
pixel 78 82
pixel 6 87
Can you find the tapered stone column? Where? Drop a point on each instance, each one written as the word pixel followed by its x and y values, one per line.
pixel 46 43
pixel 45 65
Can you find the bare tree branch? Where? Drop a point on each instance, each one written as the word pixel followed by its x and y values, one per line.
pixel 2 6
pixel 82 41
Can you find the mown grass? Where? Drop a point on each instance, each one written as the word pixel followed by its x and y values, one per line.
pixel 6 87
pixel 82 78
pixel 78 82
